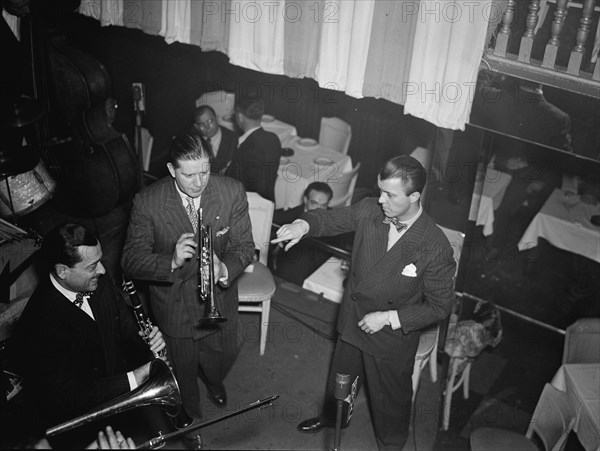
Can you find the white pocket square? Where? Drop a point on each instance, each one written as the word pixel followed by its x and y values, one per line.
pixel 410 270
pixel 223 231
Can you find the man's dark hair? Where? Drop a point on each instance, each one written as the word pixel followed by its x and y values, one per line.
pixel 203 109
pixel 188 147
pixel 252 108
pixel 61 243
pixel 321 187
pixel 407 169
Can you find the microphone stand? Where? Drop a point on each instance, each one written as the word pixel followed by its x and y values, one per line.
pixel 342 390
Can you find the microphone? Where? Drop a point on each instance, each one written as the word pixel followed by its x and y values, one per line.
pixel 341 392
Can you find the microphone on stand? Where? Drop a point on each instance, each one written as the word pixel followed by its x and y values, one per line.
pixel 341 392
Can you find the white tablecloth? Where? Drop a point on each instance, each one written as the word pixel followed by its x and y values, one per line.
pixel 299 170
pixel 488 192
pixel 581 383
pixel 565 227
pixel 285 132
pixel 327 280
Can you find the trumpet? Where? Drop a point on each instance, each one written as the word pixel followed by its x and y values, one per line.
pixel 182 419
pixel 206 274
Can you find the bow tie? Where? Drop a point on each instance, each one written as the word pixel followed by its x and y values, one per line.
pixel 399 225
pixel 79 297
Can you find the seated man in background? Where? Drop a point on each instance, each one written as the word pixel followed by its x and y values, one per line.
pixel 304 258
pixel 222 141
pixel 76 345
pixel 256 161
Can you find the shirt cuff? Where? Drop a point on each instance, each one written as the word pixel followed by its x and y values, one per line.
pixel 224 280
pixel 394 319
pixel 132 383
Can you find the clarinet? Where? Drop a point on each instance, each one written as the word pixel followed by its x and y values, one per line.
pixel 182 419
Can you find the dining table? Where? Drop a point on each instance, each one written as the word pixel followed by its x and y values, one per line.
pixel 488 192
pixel 581 383
pixel 309 162
pixel 565 222
pixel 284 131
pixel 328 280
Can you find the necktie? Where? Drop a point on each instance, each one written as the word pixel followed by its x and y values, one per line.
pixel 79 297
pixel 399 225
pixel 192 213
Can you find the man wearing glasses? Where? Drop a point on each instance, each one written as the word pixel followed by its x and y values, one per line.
pixel 223 142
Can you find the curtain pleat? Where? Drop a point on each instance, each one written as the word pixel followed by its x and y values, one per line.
pixel 302 35
pixel 448 46
pixel 175 25
pixel 256 35
pixel 344 46
pixel 390 50
pixel 108 12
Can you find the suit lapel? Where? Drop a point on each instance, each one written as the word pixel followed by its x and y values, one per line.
pixel 173 212
pixel 402 252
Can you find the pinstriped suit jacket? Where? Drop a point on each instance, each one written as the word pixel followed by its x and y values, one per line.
pixel 71 362
pixel 376 282
pixel 158 218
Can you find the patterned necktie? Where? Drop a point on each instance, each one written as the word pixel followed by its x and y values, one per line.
pixel 79 297
pixel 399 225
pixel 192 213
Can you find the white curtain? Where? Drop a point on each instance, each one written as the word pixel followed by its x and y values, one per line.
pixel 448 46
pixel 256 35
pixel 344 46
pixel 108 12
pixel 176 19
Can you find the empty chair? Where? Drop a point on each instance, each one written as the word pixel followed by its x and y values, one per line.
pixel 343 187
pixel 551 423
pixel 582 342
pixel 428 342
pixel 335 134
pixel 256 285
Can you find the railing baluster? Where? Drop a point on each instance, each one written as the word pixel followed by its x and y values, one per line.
pixel 557 25
pixel 582 34
pixel 529 35
pixel 504 33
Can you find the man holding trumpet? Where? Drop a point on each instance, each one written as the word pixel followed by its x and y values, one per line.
pixel 162 248
pixel 76 343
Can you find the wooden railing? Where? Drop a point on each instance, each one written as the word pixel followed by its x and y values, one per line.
pixel 580 74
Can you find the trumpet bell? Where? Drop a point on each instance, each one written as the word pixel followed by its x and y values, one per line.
pixel 159 389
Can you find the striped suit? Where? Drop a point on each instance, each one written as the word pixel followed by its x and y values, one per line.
pixel 376 283
pixel 158 218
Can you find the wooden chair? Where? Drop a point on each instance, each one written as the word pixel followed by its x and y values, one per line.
pixel 256 285
pixel 343 187
pixel 335 134
pixel 428 342
pixel 551 422
pixel 582 342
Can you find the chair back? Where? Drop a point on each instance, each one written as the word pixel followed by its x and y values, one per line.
pixel 335 134
pixel 552 419
pixel 456 239
pixel 582 342
pixel 261 217
pixel 343 187
pixel 221 101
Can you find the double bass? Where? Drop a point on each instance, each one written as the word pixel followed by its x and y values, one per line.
pixel 96 167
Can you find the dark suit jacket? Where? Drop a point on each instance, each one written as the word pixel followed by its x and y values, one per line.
pixel 226 150
pixel 255 163
pixel 71 362
pixel 376 282
pixel 158 218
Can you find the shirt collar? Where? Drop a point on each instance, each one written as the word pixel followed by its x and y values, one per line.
pixel 412 220
pixel 243 138
pixel 70 295
pixel 184 197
